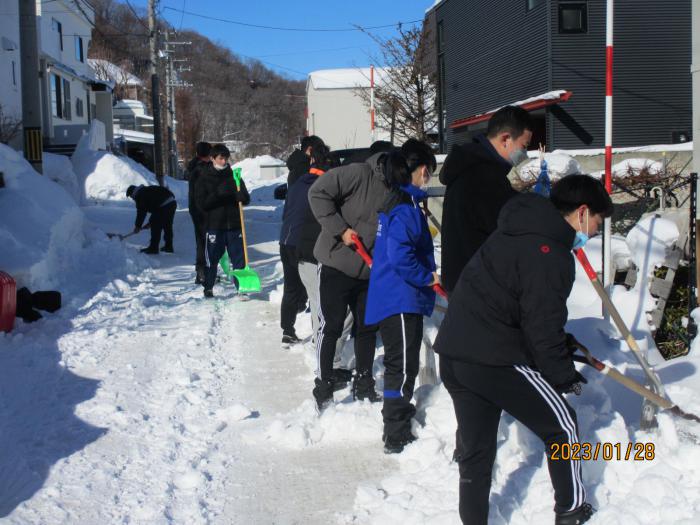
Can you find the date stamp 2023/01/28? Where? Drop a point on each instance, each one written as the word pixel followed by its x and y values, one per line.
pixel 605 451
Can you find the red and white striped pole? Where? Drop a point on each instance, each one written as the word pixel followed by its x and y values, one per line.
pixel 607 226
pixel 371 101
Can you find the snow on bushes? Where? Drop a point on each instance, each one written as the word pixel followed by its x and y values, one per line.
pixel 558 165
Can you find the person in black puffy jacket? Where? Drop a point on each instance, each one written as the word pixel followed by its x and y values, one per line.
pixel 502 343
pixel 217 197
pixel 194 170
pixel 476 176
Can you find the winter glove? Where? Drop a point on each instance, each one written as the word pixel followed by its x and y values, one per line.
pixel 572 387
pixel 572 344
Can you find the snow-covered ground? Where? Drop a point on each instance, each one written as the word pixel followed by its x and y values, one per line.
pixel 141 402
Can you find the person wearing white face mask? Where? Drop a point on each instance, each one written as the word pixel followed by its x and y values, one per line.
pixel 503 347
pixel 476 176
pixel 400 286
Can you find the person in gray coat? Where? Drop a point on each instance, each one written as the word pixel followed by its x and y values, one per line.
pixel 346 202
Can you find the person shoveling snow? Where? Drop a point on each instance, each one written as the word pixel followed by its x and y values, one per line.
pixel 160 203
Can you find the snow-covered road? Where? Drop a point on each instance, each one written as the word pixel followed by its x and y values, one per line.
pixel 177 404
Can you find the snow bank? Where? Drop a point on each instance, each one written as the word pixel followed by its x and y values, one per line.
pixel 45 238
pixel 633 167
pixel 105 176
pixel 558 165
pixel 262 170
pixel 59 169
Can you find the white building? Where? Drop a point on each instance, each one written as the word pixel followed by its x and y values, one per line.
pixel 10 73
pixel 64 28
pixel 336 112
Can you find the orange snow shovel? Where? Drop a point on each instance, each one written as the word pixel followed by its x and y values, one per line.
pixel 248 280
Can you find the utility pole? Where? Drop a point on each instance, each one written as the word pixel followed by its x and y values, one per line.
pixel 155 92
pixel 695 72
pixel 173 82
pixel 31 95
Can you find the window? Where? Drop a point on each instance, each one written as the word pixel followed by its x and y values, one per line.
pixel 79 49
pixel 531 4
pixel 14 73
pixel 66 99
pixel 573 17
pixel 56 99
pixel 79 111
pixel 56 26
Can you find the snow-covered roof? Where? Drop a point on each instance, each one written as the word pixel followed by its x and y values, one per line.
pixel 107 71
pixel 529 104
pixel 347 78
pixel 134 136
pixel 435 4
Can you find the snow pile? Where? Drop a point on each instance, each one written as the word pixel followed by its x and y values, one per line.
pixel 47 242
pixel 633 168
pixel 649 241
pixel 59 169
pixel 558 165
pixel 105 176
pixel 261 170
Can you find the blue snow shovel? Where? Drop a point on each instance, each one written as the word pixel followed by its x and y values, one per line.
pixel 248 280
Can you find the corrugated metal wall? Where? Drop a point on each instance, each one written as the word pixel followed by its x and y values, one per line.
pixel 652 84
pixel 494 54
pixel 497 53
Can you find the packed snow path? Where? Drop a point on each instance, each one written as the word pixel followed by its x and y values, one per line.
pixel 180 405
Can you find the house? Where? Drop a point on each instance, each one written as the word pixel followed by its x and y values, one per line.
pixel 336 110
pixel 133 131
pixel 549 57
pixel 126 85
pixel 11 87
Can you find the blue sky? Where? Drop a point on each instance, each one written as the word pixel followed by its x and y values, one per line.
pixel 294 54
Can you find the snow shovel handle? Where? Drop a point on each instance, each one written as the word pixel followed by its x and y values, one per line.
pixel 362 252
pixel 619 322
pixel 589 359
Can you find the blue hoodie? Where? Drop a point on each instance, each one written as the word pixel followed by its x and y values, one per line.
pixel 404 260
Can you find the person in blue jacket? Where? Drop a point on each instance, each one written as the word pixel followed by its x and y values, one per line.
pixel 400 286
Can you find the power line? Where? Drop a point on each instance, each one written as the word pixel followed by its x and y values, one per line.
pixel 309 52
pixel 297 29
pixel 184 4
pixel 138 17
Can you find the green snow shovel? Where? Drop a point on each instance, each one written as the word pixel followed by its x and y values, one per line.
pixel 248 280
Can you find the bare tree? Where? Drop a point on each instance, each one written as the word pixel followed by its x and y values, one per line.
pixel 405 96
pixel 10 126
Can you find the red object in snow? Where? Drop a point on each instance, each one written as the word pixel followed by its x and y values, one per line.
pixel 8 302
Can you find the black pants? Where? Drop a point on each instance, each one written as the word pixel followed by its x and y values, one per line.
pixel 162 221
pixel 200 239
pixel 402 335
pixel 219 241
pixel 338 292
pixel 294 293
pixel 480 394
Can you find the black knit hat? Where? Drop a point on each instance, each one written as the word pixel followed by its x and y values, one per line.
pixel 130 190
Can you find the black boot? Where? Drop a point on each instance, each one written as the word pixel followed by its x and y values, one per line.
pixel 290 338
pixel 394 444
pixel 168 248
pixel 323 393
pixel 575 517
pixel 363 388
pixel 200 276
pixel 209 294
pixel 150 250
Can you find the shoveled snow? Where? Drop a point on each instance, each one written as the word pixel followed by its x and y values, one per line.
pixel 59 169
pixel 141 402
pixel 558 166
pixel 105 176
